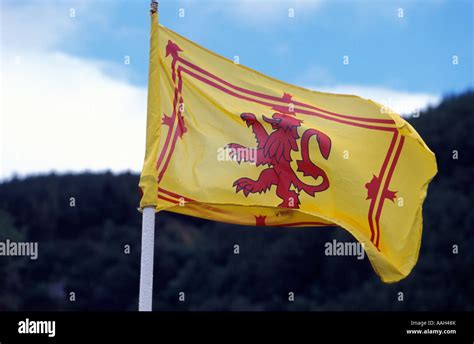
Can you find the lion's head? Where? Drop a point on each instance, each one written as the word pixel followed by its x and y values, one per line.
pixel 283 121
pixel 282 140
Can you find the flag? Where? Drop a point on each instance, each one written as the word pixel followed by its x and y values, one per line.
pixel 230 144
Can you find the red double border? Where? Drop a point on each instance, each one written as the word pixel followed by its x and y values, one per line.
pixel 180 65
pixel 177 199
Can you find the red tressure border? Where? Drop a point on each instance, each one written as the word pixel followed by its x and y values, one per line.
pixel 180 65
pixel 174 198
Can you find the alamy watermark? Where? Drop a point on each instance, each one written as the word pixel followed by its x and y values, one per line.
pixel 19 249
pixel 234 152
pixel 28 326
pixel 342 248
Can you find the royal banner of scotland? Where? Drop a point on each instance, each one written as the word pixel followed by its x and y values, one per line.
pixel 227 143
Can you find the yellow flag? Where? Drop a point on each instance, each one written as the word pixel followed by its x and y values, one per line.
pixel 227 143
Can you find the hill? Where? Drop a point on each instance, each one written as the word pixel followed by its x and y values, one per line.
pixel 83 249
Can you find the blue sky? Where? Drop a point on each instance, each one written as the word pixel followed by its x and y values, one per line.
pixel 413 53
pixel 65 78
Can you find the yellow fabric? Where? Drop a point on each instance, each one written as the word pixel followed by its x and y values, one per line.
pixel 195 102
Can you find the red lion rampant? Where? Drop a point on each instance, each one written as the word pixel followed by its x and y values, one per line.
pixel 274 150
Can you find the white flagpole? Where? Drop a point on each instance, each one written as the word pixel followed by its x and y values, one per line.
pixel 145 297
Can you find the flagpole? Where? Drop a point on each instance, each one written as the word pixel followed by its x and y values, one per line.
pixel 146 265
pixel 145 297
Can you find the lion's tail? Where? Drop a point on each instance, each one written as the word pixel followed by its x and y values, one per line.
pixel 308 168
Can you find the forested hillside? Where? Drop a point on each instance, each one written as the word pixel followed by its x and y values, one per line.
pixel 83 248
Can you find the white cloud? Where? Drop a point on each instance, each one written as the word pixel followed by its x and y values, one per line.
pixel 59 112
pixel 402 102
pixel 62 113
